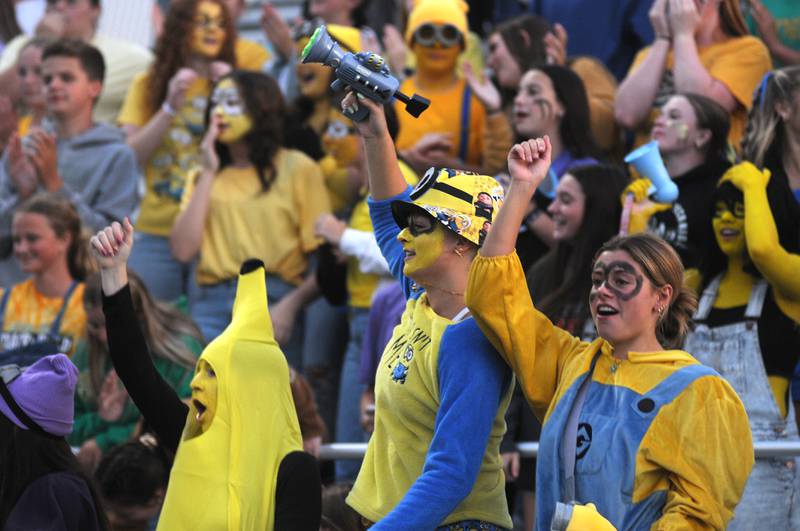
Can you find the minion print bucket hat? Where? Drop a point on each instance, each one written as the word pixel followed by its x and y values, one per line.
pixel 464 202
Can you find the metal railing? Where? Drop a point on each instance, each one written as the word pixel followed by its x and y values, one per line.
pixel 530 449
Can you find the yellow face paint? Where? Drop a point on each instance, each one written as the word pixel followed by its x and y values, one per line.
pixel 204 395
pixel 423 244
pixel 729 228
pixel 209 30
pixel 436 59
pixel 227 104
pixel 339 139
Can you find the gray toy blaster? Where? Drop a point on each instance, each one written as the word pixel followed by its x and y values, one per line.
pixel 365 72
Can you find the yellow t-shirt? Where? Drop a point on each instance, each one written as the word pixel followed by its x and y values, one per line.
pixel 28 313
pixel 276 227
pixel 443 116
pixel 173 159
pixel 250 55
pixel 362 286
pixel 739 63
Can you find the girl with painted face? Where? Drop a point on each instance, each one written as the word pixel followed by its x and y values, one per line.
pixel 645 433
pixel 551 101
pixel 249 180
pixel 692 133
pixel 747 329
pixel 104 417
pixel 44 314
pixel 701 47
pixel 526 42
pixel 239 461
pixel 410 478
pixel 163 117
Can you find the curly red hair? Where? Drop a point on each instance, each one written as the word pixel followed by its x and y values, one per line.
pixel 174 47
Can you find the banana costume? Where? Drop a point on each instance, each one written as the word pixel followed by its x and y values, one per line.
pixel 224 478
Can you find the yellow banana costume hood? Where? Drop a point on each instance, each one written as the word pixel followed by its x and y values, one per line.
pixel 224 478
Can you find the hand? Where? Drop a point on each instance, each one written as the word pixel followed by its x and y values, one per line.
pixel 112 399
pixel 330 228
pixel 640 188
pixel 746 175
pixel 483 89
pixel 284 315
pixel 8 120
pixel 277 31
pixel 52 25
pixel 555 44
pixel 90 455
pixel 367 410
pixel 511 465
pixel 312 445
pixel 43 156
pixel 22 172
pixel 375 125
pixel 396 51
pixel 112 246
pixel 765 22
pixel 219 69
pixel 178 85
pixel 641 212
pixel 658 18
pixel 529 161
pixel 209 159
pixel 683 17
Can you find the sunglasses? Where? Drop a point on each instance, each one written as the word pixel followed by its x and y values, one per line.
pixel 429 34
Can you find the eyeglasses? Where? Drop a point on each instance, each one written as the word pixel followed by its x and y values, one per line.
pixel 429 34
pixel 206 22
pixel 9 373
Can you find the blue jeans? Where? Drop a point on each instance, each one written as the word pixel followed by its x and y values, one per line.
pixel 211 307
pixel 348 425
pixel 166 278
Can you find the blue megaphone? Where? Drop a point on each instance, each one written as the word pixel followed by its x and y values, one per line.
pixel 647 161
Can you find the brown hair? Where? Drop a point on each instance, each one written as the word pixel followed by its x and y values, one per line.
pixel 731 20
pixel 89 57
pixel 64 220
pixel 165 328
pixel 764 125
pixel 662 266
pixel 712 116
pixel 524 38
pixel 174 47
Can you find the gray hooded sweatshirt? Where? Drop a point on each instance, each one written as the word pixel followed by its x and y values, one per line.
pixel 100 174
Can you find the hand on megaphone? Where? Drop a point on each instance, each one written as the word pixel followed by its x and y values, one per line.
pixel 637 206
pixel 647 161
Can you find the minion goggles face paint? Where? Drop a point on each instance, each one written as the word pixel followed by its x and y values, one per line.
pixel 337 129
pixel 228 100
pixel 429 34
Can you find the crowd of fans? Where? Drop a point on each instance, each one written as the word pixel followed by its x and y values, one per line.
pixel 220 150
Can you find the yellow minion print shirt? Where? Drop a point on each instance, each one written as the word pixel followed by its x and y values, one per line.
pixel 28 317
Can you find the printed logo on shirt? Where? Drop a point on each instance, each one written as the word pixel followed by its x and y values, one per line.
pixel 17 340
pixel 671 225
pixel 402 352
pixel 584 440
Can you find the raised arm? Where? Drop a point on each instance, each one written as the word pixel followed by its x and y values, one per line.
pixel 130 355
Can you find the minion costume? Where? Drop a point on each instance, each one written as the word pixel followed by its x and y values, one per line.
pixel 656 441
pixel 225 477
pixel 441 391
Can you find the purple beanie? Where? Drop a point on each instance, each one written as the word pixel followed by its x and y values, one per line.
pixel 45 391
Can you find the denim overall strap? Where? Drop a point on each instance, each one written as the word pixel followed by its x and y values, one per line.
pixel 56 325
pixel 3 304
pixel 463 148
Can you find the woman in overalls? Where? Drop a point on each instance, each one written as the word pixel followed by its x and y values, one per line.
pixel 644 432
pixel 45 314
pixel 748 331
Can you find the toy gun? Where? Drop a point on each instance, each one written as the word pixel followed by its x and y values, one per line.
pixel 364 72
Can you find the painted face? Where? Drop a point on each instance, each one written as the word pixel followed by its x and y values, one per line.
pixel 436 59
pixel 80 16
pixel 675 129
pixel 567 208
pixel 209 33
pixel 96 324
pixel 622 298
pixel 228 106
pixel 502 63
pixel 536 108
pixel 423 243
pixel 29 69
pixel 728 224
pixel 36 245
pixel 340 141
pixel 204 394
pixel 313 79
pixel 68 90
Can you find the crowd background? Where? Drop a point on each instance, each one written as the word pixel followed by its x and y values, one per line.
pixel 107 110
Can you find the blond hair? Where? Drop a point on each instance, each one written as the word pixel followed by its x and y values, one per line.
pixel 764 126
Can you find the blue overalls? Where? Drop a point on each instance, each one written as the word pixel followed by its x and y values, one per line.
pixel 611 426
pixel 24 348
